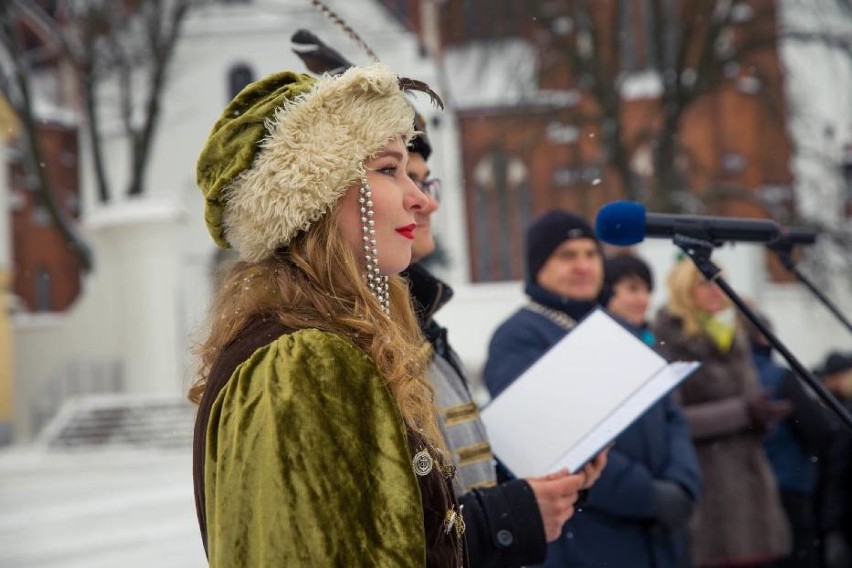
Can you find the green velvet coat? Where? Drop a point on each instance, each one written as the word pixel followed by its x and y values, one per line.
pixel 307 463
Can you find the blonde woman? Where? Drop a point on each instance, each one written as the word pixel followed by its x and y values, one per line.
pixel 739 521
pixel 316 441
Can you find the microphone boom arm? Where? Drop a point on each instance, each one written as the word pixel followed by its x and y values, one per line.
pixel 700 251
pixel 783 250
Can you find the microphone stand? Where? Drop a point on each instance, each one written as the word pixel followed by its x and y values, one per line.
pixel 700 248
pixel 783 249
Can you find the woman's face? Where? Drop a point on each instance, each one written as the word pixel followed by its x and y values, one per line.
pixel 396 201
pixel 630 297
pixel 708 297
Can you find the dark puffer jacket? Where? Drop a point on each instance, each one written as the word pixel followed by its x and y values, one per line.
pixel 617 525
pixel 504 526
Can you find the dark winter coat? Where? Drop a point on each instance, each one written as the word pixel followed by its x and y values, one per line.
pixel 794 443
pixel 739 518
pixel 616 525
pixel 503 522
pixel 835 491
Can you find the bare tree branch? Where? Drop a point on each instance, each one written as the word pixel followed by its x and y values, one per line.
pixel 103 42
pixel 33 161
pixel 110 42
pixel 163 33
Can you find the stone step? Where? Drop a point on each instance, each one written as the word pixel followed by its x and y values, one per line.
pixel 121 419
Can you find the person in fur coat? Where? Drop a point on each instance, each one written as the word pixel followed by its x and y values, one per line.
pixel 739 520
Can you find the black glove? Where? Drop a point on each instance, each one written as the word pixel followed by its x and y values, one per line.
pixel 673 506
pixel 837 554
pixel 764 411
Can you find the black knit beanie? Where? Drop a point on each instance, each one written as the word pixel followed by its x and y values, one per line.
pixel 836 362
pixel 420 143
pixel 548 232
pixel 624 265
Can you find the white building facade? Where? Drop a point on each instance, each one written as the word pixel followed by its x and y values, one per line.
pixel 143 306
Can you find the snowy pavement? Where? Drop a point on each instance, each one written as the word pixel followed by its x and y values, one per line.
pixel 97 508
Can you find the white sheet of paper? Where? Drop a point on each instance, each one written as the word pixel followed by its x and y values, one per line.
pixel 574 400
pixel 610 427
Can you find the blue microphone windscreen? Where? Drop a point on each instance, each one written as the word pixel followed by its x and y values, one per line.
pixel 621 223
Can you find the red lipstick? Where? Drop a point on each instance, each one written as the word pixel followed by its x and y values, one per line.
pixel 407 231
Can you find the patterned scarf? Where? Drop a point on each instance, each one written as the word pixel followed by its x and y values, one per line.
pixel 720 327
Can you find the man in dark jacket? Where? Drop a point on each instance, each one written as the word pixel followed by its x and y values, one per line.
pixel 507 525
pixel 834 493
pixel 635 512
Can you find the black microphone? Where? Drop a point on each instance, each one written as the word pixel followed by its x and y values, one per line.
pixel 792 236
pixel 789 238
pixel 626 223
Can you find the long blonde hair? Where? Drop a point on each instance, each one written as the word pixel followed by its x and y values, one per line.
pixel 681 281
pixel 315 283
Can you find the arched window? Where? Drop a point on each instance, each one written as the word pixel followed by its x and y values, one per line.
pixel 239 76
pixel 847 178
pixel 501 193
pixel 43 300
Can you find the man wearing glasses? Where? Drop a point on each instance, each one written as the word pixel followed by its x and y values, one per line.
pixel 507 524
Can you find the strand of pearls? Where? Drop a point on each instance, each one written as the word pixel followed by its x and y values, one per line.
pixel 377 283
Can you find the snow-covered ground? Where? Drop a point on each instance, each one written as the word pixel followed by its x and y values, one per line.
pixel 97 508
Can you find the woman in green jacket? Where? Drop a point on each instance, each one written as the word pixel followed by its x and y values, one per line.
pixel 316 442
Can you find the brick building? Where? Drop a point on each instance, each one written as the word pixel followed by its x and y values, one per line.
pixel 47 274
pixel 539 130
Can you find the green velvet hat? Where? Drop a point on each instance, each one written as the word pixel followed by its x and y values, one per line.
pixel 287 148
